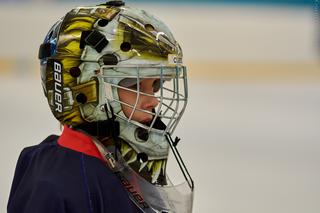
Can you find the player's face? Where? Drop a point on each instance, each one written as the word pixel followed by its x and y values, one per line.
pixel 148 103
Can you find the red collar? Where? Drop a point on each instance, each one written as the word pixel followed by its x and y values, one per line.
pixel 79 142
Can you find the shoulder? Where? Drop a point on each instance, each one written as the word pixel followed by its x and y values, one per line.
pixel 72 179
pixel 28 155
pixel 48 179
pixel 29 151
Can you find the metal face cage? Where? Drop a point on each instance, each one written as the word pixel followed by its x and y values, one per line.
pixel 170 90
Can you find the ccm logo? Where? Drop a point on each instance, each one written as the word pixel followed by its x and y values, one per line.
pixel 57 69
pixel 177 60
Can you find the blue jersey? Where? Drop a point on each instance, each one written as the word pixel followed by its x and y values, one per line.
pixel 51 178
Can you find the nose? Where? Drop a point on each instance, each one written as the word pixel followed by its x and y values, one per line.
pixel 150 102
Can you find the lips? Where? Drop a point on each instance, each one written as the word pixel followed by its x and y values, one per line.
pixel 146 121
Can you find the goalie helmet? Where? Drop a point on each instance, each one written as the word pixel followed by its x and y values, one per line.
pixel 92 53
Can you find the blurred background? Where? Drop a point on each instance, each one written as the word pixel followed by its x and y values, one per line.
pixel 251 132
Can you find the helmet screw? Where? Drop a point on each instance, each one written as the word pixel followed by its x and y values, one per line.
pixel 102 108
pixel 81 98
pixel 142 134
pixel 75 72
pixel 142 157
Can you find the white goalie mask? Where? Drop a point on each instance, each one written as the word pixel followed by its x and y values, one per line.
pixel 92 55
pixel 151 141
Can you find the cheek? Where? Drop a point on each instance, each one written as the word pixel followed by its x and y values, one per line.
pixel 129 98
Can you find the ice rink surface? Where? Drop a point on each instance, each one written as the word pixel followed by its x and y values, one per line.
pixel 251 148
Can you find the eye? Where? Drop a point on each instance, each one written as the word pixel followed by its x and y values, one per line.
pixel 156 85
pixel 133 87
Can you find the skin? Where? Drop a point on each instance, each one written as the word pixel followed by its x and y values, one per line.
pixel 147 103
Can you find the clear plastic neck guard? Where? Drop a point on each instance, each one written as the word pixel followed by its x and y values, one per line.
pixel 151 198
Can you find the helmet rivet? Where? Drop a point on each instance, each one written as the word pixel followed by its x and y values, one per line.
pixel 142 134
pixel 81 98
pixel 142 157
pixel 110 59
pixel 103 22
pixel 102 108
pixel 125 46
pixel 75 72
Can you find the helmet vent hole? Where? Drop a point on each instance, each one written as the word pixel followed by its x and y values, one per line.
pixel 103 22
pixel 125 46
pixel 149 27
pixel 110 59
pixel 81 98
pixel 75 72
pixel 141 134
